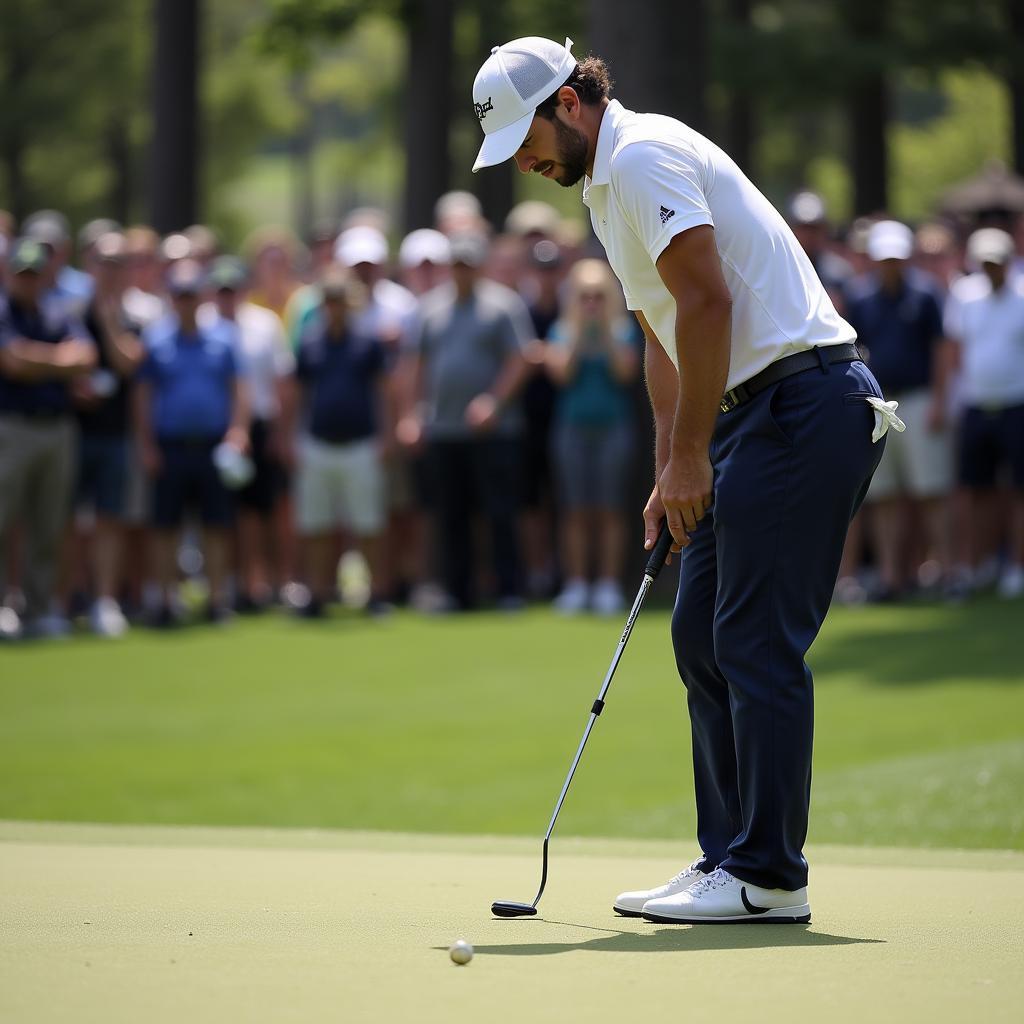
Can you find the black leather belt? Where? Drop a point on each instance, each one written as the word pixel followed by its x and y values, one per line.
pixel 822 357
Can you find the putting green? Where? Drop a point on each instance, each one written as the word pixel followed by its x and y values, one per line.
pixel 103 923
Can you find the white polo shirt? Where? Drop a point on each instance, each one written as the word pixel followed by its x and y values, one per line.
pixel 990 329
pixel 653 178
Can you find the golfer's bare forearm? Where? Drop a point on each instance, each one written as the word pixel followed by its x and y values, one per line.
pixel 691 269
pixel 663 392
pixel 702 347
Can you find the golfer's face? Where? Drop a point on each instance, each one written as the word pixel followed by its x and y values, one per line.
pixel 539 151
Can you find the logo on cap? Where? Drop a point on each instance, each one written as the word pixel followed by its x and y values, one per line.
pixel 482 108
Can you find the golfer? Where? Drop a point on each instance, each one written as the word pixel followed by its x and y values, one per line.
pixel 766 426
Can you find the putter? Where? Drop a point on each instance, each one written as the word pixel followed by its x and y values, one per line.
pixel 508 908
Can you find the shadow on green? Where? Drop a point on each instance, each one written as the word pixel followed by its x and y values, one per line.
pixel 667 940
pixel 933 644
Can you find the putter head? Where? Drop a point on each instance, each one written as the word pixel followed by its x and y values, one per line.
pixel 506 908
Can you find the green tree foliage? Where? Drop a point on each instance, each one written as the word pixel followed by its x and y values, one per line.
pixel 325 78
pixel 72 74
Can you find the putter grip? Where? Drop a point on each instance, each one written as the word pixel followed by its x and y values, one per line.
pixel 659 552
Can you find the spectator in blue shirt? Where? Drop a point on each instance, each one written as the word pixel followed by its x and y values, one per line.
pixel 895 311
pixel 41 353
pixel 190 399
pixel 344 427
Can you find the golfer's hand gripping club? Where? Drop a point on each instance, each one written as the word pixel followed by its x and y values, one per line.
pixel 507 908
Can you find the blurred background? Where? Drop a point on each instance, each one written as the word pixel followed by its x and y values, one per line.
pixel 273 177
pixel 234 113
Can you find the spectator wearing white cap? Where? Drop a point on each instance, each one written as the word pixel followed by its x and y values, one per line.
pixel 364 250
pixel 898 320
pixel 458 213
pixel 986 319
pixel 424 258
pixel 387 316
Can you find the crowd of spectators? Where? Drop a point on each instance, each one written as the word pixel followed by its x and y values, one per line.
pixel 451 426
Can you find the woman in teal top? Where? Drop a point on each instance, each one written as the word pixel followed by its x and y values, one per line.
pixel 594 360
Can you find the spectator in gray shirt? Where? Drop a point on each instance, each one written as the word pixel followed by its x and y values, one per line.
pixel 468 366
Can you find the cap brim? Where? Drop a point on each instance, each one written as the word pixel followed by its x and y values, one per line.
pixel 879 255
pixel 500 146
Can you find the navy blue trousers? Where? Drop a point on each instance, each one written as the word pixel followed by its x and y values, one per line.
pixel 791 467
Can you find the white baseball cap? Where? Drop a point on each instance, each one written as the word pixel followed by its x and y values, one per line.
pixel 990 245
pixel 425 246
pixel 361 244
pixel 890 240
pixel 508 88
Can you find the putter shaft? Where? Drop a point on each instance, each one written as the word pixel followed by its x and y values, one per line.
pixel 654 565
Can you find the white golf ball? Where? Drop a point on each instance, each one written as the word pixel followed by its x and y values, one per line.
pixel 461 952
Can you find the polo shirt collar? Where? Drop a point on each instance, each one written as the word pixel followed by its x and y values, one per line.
pixel 613 114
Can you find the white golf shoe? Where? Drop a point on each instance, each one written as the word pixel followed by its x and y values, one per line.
pixel 719 898
pixel 631 904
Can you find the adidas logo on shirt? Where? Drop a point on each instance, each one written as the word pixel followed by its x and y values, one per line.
pixel 666 214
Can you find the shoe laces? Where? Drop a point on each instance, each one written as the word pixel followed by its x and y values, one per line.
pixel 718 879
pixel 685 873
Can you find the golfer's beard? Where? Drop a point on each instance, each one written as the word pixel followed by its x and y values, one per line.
pixel 571 145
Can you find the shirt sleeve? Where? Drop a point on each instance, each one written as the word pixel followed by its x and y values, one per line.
pixel 660 191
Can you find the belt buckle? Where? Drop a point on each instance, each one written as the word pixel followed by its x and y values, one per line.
pixel 729 401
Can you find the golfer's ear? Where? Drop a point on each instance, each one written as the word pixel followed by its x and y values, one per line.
pixel 568 98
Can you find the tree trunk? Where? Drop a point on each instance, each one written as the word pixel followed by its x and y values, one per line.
pixel 867 108
pixel 12 138
pixel 663 69
pixel 1015 82
pixel 174 161
pixel 739 131
pixel 429 24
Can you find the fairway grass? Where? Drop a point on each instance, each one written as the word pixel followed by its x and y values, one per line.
pixel 110 924
pixel 468 724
